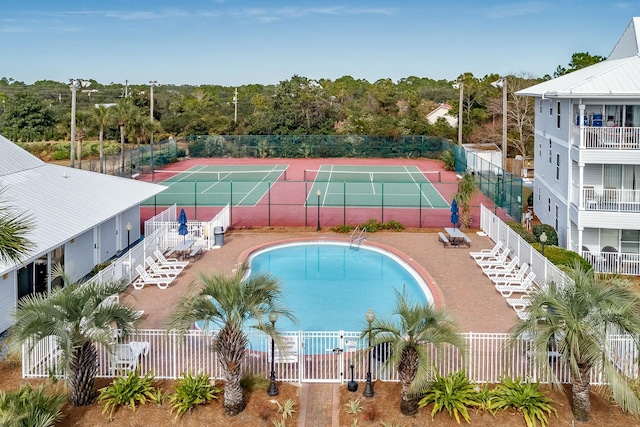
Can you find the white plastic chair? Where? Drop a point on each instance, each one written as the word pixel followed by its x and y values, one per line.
pixel 147 278
pixel 523 286
pixel 169 261
pixel 127 356
pixel 487 253
pixel 168 271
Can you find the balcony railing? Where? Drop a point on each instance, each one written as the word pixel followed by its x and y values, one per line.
pixel 613 262
pixel 610 138
pixel 611 200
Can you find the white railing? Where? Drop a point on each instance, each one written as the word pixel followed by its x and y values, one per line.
pixel 497 230
pixel 611 199
pixel 324 356
pixel 613 262
pixel 608 138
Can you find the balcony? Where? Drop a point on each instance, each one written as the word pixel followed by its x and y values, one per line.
pixel 613 262
pixel 608 138
pixel 611 199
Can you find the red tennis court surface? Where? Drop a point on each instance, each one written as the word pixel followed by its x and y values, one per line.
pixel 284 205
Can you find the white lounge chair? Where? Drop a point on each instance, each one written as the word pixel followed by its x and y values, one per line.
pixel 126 357
pixel 168 271
pixel 147 278
pixel 492 270
pixel 499 260
pixel 523 286
pixel 169 261
pixel 487 253
pixel 520 304
pixel 503 278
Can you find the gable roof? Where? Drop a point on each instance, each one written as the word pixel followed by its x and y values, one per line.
pixel 64 202
pixel 618 76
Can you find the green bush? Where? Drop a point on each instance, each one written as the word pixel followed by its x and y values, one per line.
pixel 130 390
pixel 254 382
pixel 525 397
pixel 562 257
pixel 449 159
pixel 29 407
pixel 192 391
pixel 454 392
pixel 552 236
pixel 343 228
pixel 522 232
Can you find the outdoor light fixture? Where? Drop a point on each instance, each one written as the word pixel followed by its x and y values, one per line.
pixel 128 227
pixel 543 241
pixel 318 193
pixel 502 83
pixel 460 87
pixel 273 388
pixel 368 388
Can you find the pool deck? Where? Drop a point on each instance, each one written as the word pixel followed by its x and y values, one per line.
pixel 457 282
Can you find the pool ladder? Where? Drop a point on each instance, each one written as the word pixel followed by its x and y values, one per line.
pixel 357 236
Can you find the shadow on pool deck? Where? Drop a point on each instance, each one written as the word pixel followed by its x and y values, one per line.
pixel 454 276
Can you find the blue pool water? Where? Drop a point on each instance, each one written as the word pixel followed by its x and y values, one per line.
pixel 330 286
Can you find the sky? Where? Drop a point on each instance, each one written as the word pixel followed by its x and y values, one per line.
pixel 239 42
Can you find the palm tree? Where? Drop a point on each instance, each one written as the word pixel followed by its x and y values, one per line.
pixel 102 117
pixel 574 319
pixel 123 113
pixel 231 303
pixel 14 228
pixel 408 333
pixel 78 317
pixel 467 188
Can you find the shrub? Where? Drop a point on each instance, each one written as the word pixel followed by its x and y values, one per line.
pixel 552 236
pixel 454 392
pixel 370 412
pixel 353 406
pixel 562 257
pixel 130 390
pixel 192 391
pixel 449 159
pixel 526 397
pixel 29 407
pixel 343 229
pixel 254 382
pixel 522 232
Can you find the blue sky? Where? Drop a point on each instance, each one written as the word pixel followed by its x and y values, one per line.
pixel 235 42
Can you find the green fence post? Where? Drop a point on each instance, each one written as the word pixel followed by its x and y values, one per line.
pixel 195 200
pixel 269 204
pixel 344 203
pixel 420 205
pixel 382 202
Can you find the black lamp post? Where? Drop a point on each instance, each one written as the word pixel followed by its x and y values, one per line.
pixel 368 388
pixel 273 388
pixel 543 241
pixel 318 193
pixel 128 227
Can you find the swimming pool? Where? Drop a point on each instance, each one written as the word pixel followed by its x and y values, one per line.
pixel 329 285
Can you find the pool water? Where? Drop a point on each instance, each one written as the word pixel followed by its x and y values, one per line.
pixel 330 286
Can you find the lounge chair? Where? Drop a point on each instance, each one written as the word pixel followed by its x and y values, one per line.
pixel 487 253
pixel 168 271
pixel 503 278
pixel 169 261
pixel 126 357
pixel 147 278
pixel 520 304
pixel 499 260
pixel 523 286
pixel 492 270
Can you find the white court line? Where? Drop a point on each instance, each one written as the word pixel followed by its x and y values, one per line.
pixel 256 186
pixel 419 187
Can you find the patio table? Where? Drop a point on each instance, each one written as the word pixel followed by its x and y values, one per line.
pixel 183 247
pixel 455 235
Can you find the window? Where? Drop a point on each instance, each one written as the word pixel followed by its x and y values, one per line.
pixel 550 159
pixel 550 108
pixel 540 106
pixel 558 115
pixel 630 241
pixel 557 214
pixel 549 204
pixel 558 167
pixel 540 150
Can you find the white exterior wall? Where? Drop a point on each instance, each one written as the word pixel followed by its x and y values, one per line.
pixel 132 216
pixel 8 298
pixel 107 240
pixel 79 255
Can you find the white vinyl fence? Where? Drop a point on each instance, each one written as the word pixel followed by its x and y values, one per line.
pixel 309 356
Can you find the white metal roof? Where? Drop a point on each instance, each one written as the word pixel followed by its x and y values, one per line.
pixel 64 202
pixel 618 76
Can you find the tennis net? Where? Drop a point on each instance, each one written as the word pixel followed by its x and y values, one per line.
pixel 230 175
pixel 363 176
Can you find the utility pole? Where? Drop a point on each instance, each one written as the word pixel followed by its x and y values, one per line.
pixel 235 103
pixel 152 84
pixel 126 88
pixel 74 89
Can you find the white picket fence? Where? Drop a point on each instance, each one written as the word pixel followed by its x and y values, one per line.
pixel 323 356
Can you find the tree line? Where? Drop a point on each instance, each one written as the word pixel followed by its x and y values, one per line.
pixel 299 106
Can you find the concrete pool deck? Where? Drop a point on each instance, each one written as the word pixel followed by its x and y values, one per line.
pixel 456 281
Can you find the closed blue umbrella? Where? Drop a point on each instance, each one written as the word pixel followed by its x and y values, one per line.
pixel 183 230
pixel 454 213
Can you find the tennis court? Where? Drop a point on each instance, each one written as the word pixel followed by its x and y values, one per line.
pixel 369 186
pixel 209 185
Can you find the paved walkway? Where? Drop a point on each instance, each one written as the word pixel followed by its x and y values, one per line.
pixel 319 405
